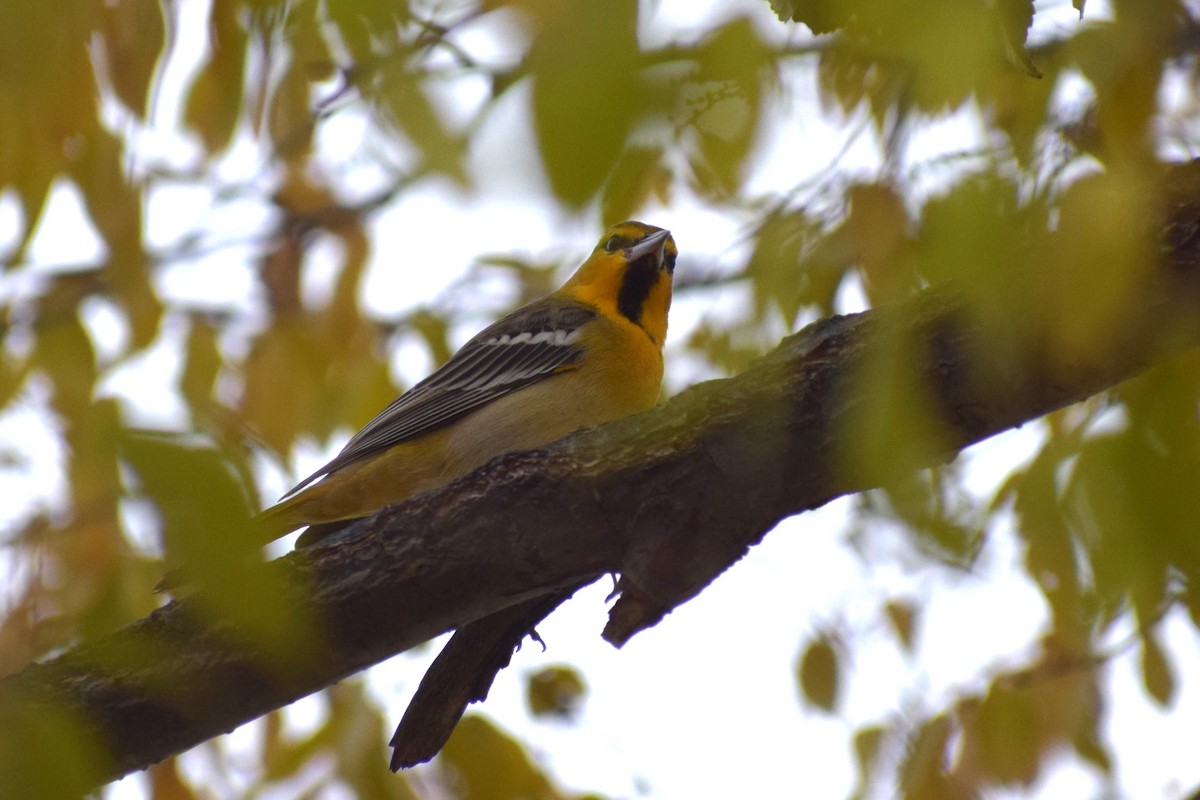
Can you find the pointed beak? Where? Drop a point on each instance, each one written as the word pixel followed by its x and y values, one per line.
pixel 652 245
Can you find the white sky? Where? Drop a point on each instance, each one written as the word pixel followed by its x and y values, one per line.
pixel 705 705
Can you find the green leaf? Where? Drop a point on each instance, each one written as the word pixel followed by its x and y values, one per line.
pixel 586 92
pixel 56 754
pixel 1104 232
pixel 723 103
pixel 208 530
pixel 1051 550
pixel 896 427
pixel 1131 495
pixel 776 275
pixel 205 509
pixel 843 76
pixel 407 106
pixel 640 174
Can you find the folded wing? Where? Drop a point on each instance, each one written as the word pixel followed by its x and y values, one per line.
pixel 527 346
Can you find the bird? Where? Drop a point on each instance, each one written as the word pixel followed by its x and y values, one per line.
pixel 586 354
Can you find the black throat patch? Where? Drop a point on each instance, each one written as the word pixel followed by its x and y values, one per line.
pixel 639 280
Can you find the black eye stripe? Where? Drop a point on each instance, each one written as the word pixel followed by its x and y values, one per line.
pixel 615 242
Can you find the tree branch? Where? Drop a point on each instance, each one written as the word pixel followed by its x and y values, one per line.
pixel 668 499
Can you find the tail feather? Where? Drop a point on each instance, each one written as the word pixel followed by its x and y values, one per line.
pixel 278 520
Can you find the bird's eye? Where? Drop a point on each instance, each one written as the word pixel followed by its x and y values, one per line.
pixel 613 244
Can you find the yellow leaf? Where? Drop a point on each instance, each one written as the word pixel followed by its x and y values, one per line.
pixel 866 748
pixel 46 72
pixel 115 206
pixel 555 691
pixel 1157 675
pixel 358 23
pixel 902 615
pixel 842 77
pixel 202 363
pixel 167 784
pixel 134 34
pixel 1015 18
pixel 434 331
pixel 490 765
pixel 1004 733
pixel 214 102
pixel 91 436
pixel 283 381
pixel 922 774
pixel 309 48
pixel 64 352
pixel 818 674
pixel 290 117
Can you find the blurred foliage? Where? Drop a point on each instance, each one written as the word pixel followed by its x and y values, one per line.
pixel 555 691
pixel 481 761
pixel 818 673
pixel 1043 223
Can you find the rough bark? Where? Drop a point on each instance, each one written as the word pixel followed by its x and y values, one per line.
pixel 668 500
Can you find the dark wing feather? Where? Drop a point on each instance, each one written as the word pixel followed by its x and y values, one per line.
pixel 528 345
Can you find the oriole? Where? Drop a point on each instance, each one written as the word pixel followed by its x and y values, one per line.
pixel 586 354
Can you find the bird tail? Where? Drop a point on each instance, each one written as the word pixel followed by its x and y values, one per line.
pixel 278 520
